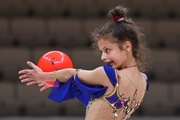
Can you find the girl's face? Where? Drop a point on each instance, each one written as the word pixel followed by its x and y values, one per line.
pixel 111 54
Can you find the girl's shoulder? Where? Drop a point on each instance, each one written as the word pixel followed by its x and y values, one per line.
pixel 111 73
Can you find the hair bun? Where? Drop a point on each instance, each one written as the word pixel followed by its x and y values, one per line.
pixel 118 13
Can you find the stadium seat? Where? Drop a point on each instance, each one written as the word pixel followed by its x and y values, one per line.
pixel 14 59
pixel 8 99
pixel 165 65
pixel 67 32
pixel 156 101
pixel 168 31
pixel 86 58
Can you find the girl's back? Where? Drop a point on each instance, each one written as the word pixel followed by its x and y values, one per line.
pixel 120 99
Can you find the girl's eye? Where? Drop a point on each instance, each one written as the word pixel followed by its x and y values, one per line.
pixel 107 50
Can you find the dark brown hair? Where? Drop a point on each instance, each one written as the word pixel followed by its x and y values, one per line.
pixel 124 30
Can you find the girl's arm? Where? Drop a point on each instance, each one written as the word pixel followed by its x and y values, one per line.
pixel 36 75
pixel 93 77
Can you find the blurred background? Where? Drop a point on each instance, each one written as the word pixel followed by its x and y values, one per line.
pixel 29 28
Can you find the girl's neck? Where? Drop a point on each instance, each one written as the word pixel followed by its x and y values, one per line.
pixel 129 64
pixel 135 65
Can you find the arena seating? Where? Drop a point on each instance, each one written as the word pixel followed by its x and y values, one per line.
pixel 29 28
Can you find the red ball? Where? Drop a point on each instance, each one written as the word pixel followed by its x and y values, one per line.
pixel 54 60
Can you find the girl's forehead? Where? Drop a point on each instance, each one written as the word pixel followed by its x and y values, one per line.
pixel 102 42
pixel 106 40
pixel 106 43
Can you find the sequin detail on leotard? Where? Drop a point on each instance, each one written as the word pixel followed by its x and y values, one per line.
pixel 119 102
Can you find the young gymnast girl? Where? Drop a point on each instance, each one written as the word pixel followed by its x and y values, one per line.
pixel 112 91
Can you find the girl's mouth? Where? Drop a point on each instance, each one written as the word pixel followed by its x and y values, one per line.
pixel 110 63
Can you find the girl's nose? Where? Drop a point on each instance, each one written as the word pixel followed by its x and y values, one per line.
pixel 103 57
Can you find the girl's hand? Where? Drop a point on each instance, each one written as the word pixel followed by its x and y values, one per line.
pixel 43 86
pixel 31 76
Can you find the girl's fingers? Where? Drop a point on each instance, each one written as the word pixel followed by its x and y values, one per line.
pixel 41 84
pixel 31 83
pixel 25 71
pixel 26 80
pixel 24 76
pixel 44 88
pixel 32 65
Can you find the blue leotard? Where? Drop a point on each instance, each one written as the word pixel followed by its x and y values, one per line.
pixel 84 92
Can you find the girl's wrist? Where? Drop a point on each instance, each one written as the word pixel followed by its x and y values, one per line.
pixel 47 76
pixel 53 75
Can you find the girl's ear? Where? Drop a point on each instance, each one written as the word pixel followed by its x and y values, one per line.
pixel 127 45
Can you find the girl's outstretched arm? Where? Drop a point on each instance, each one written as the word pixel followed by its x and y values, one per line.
pixel 36 75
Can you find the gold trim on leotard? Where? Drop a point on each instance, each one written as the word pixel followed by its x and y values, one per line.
pixel 127 104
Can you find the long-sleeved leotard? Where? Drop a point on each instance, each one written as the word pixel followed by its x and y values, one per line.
pixel 114 106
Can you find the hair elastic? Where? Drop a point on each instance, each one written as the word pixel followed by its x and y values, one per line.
pixel 117 18
pixel 121 19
